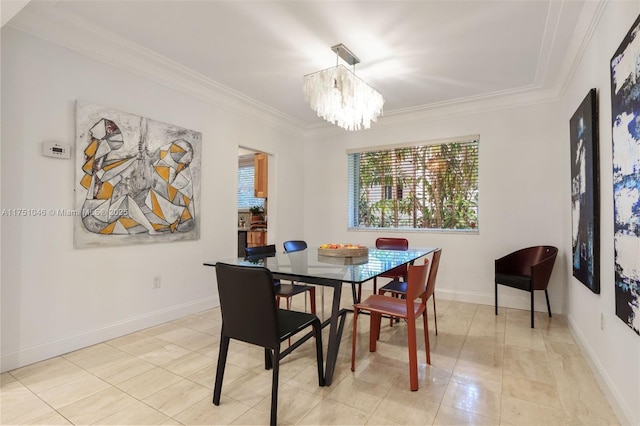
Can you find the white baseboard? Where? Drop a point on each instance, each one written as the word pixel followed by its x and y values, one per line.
pixel 504 300
pixel 522 301
pixel 29 355
pixel 608 386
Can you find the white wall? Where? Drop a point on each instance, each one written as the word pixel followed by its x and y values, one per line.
pixel 522 182
pixel 524 200
pixel 615 351
pixel 56 298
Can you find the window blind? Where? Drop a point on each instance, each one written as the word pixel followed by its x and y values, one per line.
pixel 246 188
pixel 421 186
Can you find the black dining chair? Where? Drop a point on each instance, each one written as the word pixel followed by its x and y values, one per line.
pixel 293 246
pixel 257 320
pixel 527 269
pixel 282 290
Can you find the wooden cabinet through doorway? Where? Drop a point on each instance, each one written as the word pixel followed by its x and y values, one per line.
pixel 256 238
pixel 260 164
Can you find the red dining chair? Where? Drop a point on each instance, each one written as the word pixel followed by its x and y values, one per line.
pixel 408 308
pixel 399 288
pixel 385 243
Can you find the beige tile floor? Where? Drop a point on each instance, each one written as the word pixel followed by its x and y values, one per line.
pixel 485 369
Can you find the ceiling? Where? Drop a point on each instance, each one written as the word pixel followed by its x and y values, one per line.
pixel 416 53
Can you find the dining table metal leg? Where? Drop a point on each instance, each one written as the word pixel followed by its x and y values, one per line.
pixel 335 334
pixel 354 294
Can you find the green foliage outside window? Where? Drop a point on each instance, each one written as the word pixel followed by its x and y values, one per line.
pixel 421 187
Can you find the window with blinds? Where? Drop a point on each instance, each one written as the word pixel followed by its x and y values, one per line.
pixel 245 188
pixel 429 185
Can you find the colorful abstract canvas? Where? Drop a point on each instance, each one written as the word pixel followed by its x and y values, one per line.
pixel 625 114
pixel 137 180
pixel 585 193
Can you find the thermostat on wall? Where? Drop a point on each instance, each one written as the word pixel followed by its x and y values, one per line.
pixel 56 150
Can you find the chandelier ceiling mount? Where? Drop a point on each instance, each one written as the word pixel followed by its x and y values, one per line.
pixel 348 56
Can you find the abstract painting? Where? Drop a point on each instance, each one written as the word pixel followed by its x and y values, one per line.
pixel 585 194
pixel 137 180
pixel 625 115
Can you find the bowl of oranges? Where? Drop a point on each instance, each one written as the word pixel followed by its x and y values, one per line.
pixel 343 250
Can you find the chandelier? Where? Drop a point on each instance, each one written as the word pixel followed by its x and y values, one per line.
pixel 340 97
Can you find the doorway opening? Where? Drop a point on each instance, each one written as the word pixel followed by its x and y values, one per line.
pixel 253 172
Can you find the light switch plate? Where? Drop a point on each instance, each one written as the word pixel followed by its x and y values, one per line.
pixel 56 150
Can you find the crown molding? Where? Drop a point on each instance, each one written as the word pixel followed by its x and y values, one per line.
pixel 9 9
pixel 497 101
pixel 48 23
pixel 585 28
pixel 554 12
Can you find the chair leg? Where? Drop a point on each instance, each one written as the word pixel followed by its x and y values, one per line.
pixel 413 354
pixel 353 338
pixel 305 301
pixel 546 293
pixel 496 285
pixel 268 360
pixel 435 315
pixel 532 311
pixel 374 330
pixel 222 360
pixel 312 296
pixel 274 386
pixel 427 345
pixel 288 303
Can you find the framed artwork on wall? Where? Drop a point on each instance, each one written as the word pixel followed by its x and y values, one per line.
pixel 137 179
pixel 585 195
pixel 625 116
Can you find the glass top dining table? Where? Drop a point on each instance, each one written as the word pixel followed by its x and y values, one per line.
pixel 310 267
pixel 307 266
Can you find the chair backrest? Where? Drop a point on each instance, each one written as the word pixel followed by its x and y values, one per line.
pixel 433 274
pixel 248 304
pixel 520 261
pixel 392 243
pixel 294 245
pixel 401 244
pixel 527 260
pixel 542 268
pixel 260 250
pixel 416 284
